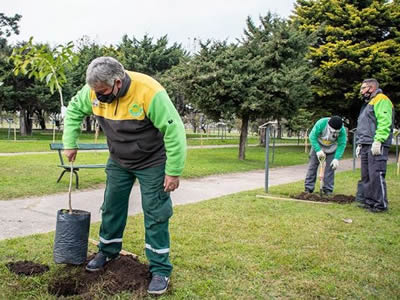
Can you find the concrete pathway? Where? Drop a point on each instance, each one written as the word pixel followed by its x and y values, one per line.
pixel 21 217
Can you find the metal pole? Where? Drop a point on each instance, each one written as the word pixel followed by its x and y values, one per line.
pixel 354 150
pixel 397 147
pixel 266 157
pixel 273 145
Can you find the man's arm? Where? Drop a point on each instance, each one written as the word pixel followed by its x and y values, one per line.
pixel 166 118
pixel 314 134
pixel 79 107
pixel 342 140
pixel 383 114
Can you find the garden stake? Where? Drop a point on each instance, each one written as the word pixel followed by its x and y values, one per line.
pixel 321 176
pixel 70 188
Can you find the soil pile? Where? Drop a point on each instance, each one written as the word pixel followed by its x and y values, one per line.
pixel 123 274
pixel 26 267
pixel 341 199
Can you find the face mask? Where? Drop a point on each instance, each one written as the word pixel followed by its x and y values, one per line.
pixel 366 97
pixel 333 132
pixel 107 98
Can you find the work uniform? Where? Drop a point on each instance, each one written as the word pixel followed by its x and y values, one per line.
pixel 333 144
pixel 146 140
pixel 375 123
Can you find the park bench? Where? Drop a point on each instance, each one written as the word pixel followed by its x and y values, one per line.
pixel 67 167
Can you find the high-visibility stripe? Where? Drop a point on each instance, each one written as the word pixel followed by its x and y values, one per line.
pixel 104 241
pixel 158 251
pixel 383 189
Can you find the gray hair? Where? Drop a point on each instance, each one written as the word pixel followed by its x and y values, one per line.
pixel 104 70
pixel 372 81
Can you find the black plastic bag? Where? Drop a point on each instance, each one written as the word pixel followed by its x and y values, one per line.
pixel 72 234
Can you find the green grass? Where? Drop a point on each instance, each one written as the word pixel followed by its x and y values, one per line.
pixel 40 140
pixel 36 174
pixel 243 247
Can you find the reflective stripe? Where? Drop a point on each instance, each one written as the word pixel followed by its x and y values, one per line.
pixel 383 189
pixel 158 251
pixel 104 241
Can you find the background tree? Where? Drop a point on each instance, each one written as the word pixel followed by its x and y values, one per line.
pixel 284 73
pixel 149 57
pixel 8 26
pixel 354 40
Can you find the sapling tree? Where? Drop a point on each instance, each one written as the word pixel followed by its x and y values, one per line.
pixel 45 64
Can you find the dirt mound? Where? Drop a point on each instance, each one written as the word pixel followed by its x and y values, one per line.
pixel 341 199
pixel 26 267
pixel 123 274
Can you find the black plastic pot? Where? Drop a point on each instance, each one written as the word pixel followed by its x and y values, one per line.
pixel 72 234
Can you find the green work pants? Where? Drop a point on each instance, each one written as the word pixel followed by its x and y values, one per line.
pixel 157 209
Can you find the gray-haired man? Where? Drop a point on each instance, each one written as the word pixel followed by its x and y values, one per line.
pixel 146 139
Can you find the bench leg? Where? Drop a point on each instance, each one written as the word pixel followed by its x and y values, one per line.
pixel 77 179
pixel 61 175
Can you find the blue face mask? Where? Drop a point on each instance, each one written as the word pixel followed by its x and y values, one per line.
pixel 107 98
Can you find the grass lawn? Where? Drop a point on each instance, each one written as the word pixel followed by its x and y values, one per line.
pixel 243 247
pixel 40 140
pixel 36 174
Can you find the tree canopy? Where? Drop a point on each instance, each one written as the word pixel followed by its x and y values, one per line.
pixel 353 40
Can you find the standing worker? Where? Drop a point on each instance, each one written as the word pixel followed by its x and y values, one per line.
pixel 146 140
pixel 328 141
pixel 373 138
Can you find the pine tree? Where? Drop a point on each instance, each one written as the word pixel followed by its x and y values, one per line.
pixel 353 40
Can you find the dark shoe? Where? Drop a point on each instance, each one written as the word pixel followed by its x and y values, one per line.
pixel 308 191
pixel 328 193
pixel 158 285
pixel 363 205
pixel 98 262
pixel 377 210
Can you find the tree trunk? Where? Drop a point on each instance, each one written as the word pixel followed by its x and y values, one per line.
pixel 243 137
pixel 25 123
pixel 42 121
pixel 279 135
pixel 262 136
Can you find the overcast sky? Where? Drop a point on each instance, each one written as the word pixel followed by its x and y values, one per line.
pixel 105 22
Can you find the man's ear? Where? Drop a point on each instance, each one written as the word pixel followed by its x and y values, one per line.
pixel 118 83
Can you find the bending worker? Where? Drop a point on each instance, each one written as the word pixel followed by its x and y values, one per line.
pixel 328 141
pixel 374 137
pixel 146 140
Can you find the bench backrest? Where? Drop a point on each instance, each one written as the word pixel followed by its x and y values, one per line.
pixel 59 147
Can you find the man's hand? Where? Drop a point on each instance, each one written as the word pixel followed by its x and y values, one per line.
pixel 358 150
pixel 376 148
pixel 71 154
pixel 334 164
pixel 321 155
pixel 171 183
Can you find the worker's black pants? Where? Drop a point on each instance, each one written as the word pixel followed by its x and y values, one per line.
pixel 371 189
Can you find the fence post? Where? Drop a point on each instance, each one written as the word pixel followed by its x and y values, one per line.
pixel 266 157
pixel 354 147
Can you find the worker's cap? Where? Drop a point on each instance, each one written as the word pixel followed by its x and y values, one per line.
pixel 335 122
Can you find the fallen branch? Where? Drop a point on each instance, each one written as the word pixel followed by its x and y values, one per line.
pixel 290 199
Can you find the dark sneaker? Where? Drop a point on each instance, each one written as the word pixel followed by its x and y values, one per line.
pixel 98 262
pixel 377 210
pixel 363 205
pixel 308 191
pixel 327 193
pixel 158 285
